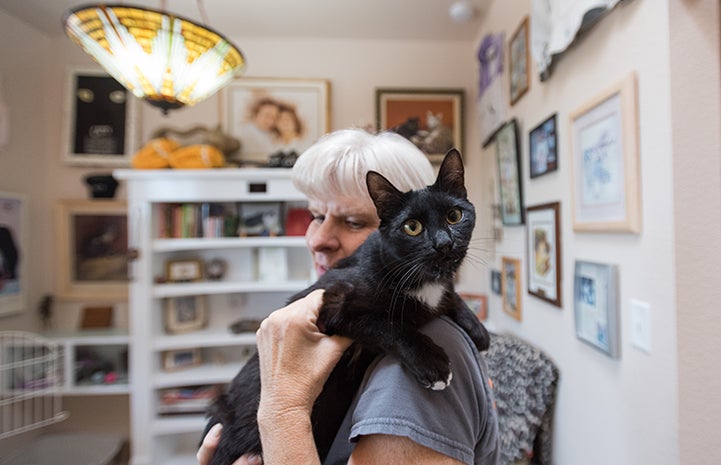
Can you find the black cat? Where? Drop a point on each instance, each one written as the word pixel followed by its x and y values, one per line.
pixel 400 278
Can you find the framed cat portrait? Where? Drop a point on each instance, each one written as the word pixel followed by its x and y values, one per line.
pixel 430 118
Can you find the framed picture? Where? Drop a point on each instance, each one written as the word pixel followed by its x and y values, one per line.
pixel 544 252
pixel 272 116
pixel 430 118
pixel 184 314
pixel 184 270
pixel 478 303
pixel 92 243
pixel 543 147
pixel 13 252
pixel 511 286
pixel 492 103
pixel 595 305
pixel 509 174
pixel 179 359
pixel 496 282
pixel 519 62
pixel 100 120
pixel 605 165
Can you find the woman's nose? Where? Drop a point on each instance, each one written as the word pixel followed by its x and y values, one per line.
pixel 322 236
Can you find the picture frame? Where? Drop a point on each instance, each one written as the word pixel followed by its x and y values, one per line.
pixel 477 303
pixel 13 250
pixel 183 271
pixel 174 360
pixel 492 103
pixel 595 304
pixel 509 174
pixel 305 102
pixel 519 62
pixel 605 161
pixel 92 243
pixel 543 147
pixel 544 252
pixel 431 118
pixel 99 120
pixel 184 314
pixel 496 282
pixel 511 287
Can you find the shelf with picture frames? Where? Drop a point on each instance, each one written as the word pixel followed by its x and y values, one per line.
pixel 182 315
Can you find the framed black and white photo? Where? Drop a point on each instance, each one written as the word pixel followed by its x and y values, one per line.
pixel 99 120
pixel 544 252
pixel 13 252
pixel 509 174
pixel 185 313
pixel 595 303
pixel 496 282
pixel 543 147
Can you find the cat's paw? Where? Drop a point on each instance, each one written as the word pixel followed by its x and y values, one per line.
pixel 435 374
pixel 334 297
pixel 441 385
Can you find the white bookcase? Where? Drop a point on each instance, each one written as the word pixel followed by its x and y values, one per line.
pixel 244 292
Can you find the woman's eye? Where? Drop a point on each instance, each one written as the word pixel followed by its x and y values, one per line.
pixel 318 218
pixel 454 216
pixel 412 227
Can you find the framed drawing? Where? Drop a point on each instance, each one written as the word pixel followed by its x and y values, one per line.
pixel 13 252
pixel 430 118
pixel 511 286
pixel 492 105
pixel 509 174
pixel 478 303
pixel 92 243
pixel 519 62
pixel 544 252
pixel 605 164
pixel 543 147
pixel 100 120
pixel 184 314
pixel 179 359
pixel 274 115
pixel 595 305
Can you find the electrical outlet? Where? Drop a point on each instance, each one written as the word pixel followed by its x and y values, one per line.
pixel 641 325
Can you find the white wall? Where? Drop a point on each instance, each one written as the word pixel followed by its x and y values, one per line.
pixel 609 411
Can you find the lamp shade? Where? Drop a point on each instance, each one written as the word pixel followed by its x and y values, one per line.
pixel 167 60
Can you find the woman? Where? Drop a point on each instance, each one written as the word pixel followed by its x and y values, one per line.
pixel 393 420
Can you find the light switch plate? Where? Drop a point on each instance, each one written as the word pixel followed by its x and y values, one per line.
pixel 641 325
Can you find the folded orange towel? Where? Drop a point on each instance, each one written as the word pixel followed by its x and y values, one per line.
pixel 155 154
pixel 196 156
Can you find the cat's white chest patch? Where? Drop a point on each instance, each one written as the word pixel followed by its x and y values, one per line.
pixel 430 294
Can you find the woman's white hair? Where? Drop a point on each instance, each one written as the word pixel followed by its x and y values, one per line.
pixel 337 164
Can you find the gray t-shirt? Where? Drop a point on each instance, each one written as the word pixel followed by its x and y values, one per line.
pixel 459 421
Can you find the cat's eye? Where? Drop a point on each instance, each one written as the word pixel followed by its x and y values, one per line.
pixel 454 216
pixel 412 227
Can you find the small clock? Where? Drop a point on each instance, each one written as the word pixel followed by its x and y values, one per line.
pixel 215 269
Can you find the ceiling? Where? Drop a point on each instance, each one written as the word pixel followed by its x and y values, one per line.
pixel 352 19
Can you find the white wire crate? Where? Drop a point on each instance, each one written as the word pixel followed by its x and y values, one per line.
pixel 30 383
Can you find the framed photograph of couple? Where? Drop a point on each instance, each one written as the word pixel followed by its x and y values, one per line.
pixel 13 251
pixel 92 244
pixel 595 304
pixel 100 119
pixel 543 147
pixel 275 115
pixel 430 118
pixel 605 161
pixel 544 252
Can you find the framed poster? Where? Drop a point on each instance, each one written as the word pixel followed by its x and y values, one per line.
pixel 274 115
pixel 92 244
pixel 13 252
pixel 543 147
pixel 430 118
pixel 595 304
pixel 509 174
pixel 519 62
pixel 99 120
pixel 492 101
pixel 544 252
pixel 511 286
pixel 605 164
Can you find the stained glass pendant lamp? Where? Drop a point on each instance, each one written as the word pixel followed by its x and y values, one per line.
pixel 165 59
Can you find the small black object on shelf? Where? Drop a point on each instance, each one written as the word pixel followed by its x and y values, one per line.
pixel 102 186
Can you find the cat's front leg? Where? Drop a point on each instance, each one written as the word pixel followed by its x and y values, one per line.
pixel 428 362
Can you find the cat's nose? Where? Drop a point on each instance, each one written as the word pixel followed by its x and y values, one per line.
pixel 442 242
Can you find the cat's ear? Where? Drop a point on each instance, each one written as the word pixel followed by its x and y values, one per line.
pixel 450 175
pixel 384 194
